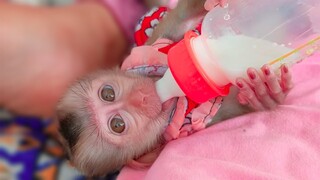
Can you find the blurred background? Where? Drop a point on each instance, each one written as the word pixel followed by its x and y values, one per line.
pixel 28 146
pixel 41 2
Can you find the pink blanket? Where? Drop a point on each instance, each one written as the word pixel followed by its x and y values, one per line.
pixel 279 144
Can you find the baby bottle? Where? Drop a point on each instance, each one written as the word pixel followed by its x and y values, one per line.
pixel 243 34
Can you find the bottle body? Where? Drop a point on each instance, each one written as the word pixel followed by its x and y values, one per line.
pixel 233 55
pixel 283 22
pixel 250 33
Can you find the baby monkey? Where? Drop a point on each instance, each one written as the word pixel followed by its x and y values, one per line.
pixel 111 117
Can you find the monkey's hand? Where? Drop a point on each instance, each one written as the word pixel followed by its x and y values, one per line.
pixel 186 16
pixel 258 93
pixel 266 92
pixel 210 4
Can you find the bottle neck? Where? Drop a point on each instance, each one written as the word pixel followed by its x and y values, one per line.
pixel 167 87
pixel 206 63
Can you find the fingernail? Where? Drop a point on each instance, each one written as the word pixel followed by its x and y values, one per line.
pixel 239 84
pixel 266 71
pixel 252 75
pixel 285 69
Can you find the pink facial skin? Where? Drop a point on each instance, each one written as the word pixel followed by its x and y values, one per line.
pixel 260 95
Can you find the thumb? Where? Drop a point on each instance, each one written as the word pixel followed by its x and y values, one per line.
pixel 210 4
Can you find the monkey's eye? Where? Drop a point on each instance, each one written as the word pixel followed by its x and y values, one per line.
pixel 107 93
pixel 117 124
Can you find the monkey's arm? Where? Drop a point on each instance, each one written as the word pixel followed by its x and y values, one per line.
pixel 186 15
pixel 231 107
pixel 256 94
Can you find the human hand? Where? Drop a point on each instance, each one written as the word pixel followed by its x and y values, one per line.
pixel 262 93
pixel 210 4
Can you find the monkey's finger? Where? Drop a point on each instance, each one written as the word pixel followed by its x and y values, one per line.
pixel 248 94
pixel 260 89
pixel 210 4
pixel 242 100
pixel 286 79
pixel 223 3
pixel 274 86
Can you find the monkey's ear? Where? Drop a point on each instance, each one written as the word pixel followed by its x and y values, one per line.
pixel 66 149
pixel 69 128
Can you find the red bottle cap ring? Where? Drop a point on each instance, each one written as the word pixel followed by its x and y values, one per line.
pixel 182 63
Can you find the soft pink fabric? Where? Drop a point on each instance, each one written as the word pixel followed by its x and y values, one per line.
pixel 279 144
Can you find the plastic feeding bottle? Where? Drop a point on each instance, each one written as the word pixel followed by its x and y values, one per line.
pixel 243 34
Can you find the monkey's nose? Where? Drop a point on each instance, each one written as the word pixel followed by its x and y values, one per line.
pixel 139 98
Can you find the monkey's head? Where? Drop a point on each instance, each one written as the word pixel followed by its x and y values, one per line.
pixel 109 118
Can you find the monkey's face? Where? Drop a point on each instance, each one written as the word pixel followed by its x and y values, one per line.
pixel 110 118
